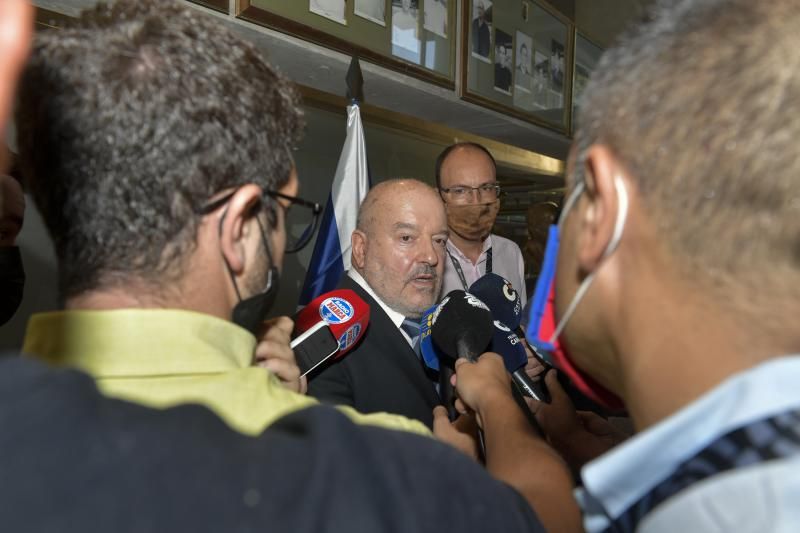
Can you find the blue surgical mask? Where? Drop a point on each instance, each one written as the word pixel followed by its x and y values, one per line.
pixel 543 329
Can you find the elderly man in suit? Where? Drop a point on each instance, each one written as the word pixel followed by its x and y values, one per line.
pixel 398 258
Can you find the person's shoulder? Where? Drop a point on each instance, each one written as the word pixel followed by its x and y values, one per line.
pixel 504 243
pixel 759 497
pixel 411 471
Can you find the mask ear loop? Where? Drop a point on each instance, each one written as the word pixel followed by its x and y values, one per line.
pixel 273 270
pixel 616 237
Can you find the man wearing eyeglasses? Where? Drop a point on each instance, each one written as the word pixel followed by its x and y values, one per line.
pixel 166 194
pixel 466 175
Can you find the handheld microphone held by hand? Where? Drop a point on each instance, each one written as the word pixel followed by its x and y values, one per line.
pixel 506 307
pixel 500 297
pixel 461 327
pixel 331 325
pixel 510 347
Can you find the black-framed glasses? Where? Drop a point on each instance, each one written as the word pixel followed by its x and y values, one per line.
pixel 301 224
pixel 463 193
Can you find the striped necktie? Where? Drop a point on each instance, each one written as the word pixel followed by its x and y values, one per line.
pixel 412 328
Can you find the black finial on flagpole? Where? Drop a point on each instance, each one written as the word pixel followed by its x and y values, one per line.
pixel 355 82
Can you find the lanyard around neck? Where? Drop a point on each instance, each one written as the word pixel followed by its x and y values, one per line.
pixel 460 271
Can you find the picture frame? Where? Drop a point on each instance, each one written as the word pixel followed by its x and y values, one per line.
pixel 587 56
pixel 362 34
pixel 334 10
pixel 541 97
pixel 372 10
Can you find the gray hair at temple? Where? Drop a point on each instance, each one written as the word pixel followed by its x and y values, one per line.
pixel 699 103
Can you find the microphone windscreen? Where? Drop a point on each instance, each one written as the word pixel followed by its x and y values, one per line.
pixel 500 296
pixel 462 326
pixel 343 310
pixel 507 344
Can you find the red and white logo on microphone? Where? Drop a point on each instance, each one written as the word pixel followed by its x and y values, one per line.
pixel 335 310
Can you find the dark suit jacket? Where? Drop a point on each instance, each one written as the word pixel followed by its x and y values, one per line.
pixel 382 373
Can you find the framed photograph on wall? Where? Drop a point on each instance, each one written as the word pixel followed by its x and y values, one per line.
pixel 523 60
pixel 518 60
pixel 541 80
pixel 388 33
pixel 435 17
pixel 481 34
pixel 372 10
pixel 405 30
pixel 503 56
pixel 330 9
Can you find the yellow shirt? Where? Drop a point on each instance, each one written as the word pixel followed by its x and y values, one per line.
pixel 163 357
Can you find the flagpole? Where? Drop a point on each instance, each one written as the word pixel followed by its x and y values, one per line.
pixel 332 248
pixel 355 82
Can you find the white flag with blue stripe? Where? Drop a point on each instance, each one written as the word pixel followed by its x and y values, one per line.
pixel 331 257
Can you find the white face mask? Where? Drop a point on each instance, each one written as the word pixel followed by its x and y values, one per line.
pixel 619 226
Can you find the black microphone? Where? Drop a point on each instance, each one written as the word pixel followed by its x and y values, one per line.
pixel 507 344
pixel 460 327
pixel 506 306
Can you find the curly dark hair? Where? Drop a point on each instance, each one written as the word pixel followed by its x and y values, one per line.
pixel 131 118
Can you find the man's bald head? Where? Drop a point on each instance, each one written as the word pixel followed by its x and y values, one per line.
pixel 386 192
pixel 398 244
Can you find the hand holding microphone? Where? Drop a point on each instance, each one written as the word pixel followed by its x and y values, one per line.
pixel 460 327
pixel 506 307
pixel 274 353
pixel 510 347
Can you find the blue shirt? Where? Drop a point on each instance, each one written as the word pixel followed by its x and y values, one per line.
pixel 619 478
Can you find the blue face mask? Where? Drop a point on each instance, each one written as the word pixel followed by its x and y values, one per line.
pixel 543 328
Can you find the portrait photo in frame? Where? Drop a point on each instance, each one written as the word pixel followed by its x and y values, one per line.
pixel 481 33
pixel 330 9
pixel 405 30
pixel 503 61
pixel 371 10
pixel 435 17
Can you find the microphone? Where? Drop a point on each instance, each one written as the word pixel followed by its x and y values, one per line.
pixel 461 326
pixel 329 326
pixel 506 306
pixel 508 344
pixel 430 353
pixel 500 296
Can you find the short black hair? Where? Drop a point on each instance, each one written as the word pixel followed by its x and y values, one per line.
pixel 130 119
pixel 466 144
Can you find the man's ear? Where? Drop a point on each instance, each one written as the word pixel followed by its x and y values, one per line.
pixel 598 218
pixel 358 242
pixel 238 221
